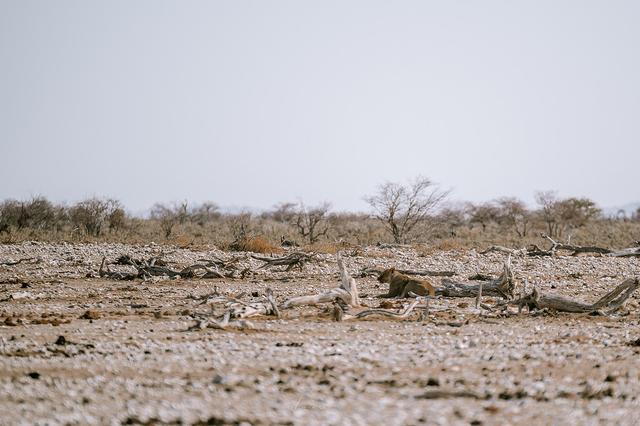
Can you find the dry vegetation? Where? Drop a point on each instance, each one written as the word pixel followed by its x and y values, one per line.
pixel 192 316
pixel 415 214
pixel 154 334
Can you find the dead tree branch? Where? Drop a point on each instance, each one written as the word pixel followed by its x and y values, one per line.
pixel 236 309
pixel 347 292
pixel 382 312
pixel 503 286
pixel 151 268
pixel 608 303
pixel 575 250
pixel 115 275
pixel 296 259
pixel 224 323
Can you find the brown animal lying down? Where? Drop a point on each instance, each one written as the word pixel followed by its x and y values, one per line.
pixel 400 285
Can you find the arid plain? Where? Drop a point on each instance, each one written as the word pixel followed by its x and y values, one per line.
pixel 77 348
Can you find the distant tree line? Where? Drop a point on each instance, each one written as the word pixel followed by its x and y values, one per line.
pixel 416 212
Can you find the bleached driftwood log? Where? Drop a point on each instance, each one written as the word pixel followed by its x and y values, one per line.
pixel 628 252
pixel 555 246
pixel 608 303
pixel 347 292
pixel 236 309
pixel 340 315
pixel 503 286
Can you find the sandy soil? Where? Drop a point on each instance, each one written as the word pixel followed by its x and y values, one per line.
pixel 86 350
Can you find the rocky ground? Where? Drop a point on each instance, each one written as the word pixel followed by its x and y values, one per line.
pixel 79 349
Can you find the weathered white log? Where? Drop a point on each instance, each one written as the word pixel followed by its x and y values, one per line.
pixel 329 296
pixel 339 314
pixel 272 302
pixel 347 292
pixel 348 283
pixel 628 252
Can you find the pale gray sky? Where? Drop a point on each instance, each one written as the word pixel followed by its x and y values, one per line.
pixel 254 102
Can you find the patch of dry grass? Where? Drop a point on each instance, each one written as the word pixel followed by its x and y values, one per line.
pixel 257 244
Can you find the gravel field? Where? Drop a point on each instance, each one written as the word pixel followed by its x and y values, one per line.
pixel 76 348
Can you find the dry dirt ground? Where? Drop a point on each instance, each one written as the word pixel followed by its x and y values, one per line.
pixel 86 350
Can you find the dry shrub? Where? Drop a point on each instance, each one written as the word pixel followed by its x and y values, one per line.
pixel 256 244
pixel 183 241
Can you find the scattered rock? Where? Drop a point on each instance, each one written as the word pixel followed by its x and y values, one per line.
pixel 433 381
pixel 635 343
pixel 10 321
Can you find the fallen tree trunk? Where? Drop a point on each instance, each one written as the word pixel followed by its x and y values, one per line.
pixel 574 249
pixel 503 286
pixel 628 252
pixel 608 303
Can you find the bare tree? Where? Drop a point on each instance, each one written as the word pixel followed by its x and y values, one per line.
pixel 169 216
pixel 547 200
pixel 452 218
pixel 514 213
pixel 93 214
pixel 577 212
pixel 284 212
pixel 401 208
pixel 483 213
pixel 117 219
pixel 205 213
pixel 241 228
pixel 311 221
pixel 563 214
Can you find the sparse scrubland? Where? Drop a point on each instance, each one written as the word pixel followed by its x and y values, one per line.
pixel 417 214
pixel 194 316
